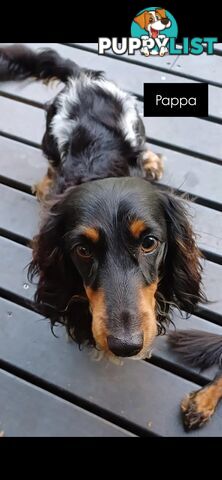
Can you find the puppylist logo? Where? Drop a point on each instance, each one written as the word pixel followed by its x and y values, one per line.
pixel 155 26
pixel 154 31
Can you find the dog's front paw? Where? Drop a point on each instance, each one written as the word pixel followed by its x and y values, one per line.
pixel 197 408
pixel 153 165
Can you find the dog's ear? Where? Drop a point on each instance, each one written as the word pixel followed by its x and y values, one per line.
pixel 161 12
pixel 142 19
pixel 180 284
pixel 58 279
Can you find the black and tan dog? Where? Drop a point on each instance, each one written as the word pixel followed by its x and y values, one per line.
pixel 114 253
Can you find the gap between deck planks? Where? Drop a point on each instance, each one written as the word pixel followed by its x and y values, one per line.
pixel 208 67
pixel 137 392
pixel 29 411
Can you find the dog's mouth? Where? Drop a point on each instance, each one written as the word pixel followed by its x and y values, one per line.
pixel 154 33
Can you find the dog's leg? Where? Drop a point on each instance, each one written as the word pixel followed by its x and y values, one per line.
pixel 198 407
pixel 43 188
pixel 152 164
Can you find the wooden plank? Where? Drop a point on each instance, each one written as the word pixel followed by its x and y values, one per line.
pixel 40 93
pixel 21 120
pixel 126 75
pixel 13 275
pixel 200 136
pixel 28 411
pixel 212 281
pixel 193 134
pixel 21 163
pixel 36 92
pixel 19 212
pixel 190 174
pixel 207 224
pixel 16 205
pixel 138 392
pixel 27 165
pixel 164 63
pixel 208 67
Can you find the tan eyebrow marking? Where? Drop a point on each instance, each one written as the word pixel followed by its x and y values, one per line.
pixel 137 227
pixel 91 233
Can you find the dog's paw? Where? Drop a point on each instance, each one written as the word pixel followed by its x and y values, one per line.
pixel 153 165
pixel 197 408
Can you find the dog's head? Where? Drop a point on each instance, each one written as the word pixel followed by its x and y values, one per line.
pixel 153 21
pixel 128 250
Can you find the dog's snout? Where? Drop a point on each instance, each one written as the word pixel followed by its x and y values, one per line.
pixel 165 21
pixel 123 347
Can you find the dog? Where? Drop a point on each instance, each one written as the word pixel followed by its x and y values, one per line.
pixel 153 21
pixel 202 350
pixel 115 253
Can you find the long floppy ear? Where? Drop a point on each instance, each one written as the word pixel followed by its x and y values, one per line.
pixel 142 19
pixel 180 284
pixel 60 293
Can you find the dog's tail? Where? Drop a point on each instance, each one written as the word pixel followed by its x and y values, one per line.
pixel 200 349
pixel 18 62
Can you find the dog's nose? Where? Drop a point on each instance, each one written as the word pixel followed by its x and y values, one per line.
pixel 165 21
pixel 125 347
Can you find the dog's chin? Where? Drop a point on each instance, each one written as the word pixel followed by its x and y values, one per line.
pixel 98 354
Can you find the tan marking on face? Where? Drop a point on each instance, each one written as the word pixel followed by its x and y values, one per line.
pixel 144 19
pixel 91 233
pixel 98 308
pixel 161 12
pixel 137 227
pixel 147 304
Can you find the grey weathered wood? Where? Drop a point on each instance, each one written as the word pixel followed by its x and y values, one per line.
pixel 190 174
pixel 164 63
pixel 138 392
pixel 38 92
pixel 28 411
pixel 21 163
pixel 197 135
pixel 21 120
pixel 207 224
pixel 16 205
pixel 27 165
pixel 121 72
pixel 19 212
pixel 31 91
pixel 194 134
pixel 13 275
pixel 207 68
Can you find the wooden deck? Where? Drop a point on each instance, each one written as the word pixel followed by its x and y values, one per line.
pixel 47 386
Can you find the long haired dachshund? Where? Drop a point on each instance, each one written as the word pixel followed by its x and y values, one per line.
pixel 114 253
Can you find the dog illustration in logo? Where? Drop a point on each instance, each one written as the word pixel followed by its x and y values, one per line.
pixel 153 21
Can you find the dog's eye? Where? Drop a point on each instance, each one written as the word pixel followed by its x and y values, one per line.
pixel 83 252
pixel 149 244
